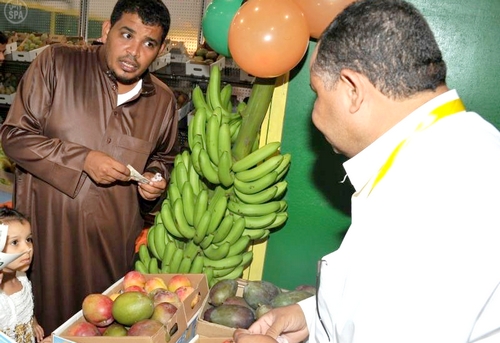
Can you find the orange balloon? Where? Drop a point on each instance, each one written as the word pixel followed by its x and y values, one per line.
pixel 320 13
pixel 267 38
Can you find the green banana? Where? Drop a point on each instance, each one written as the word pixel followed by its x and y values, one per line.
pixel 181 175
pixel 225 174
pixel 165 269
pixel 144 254
pixel 236 230
pixel 198 126
pixel 141 267
pixel 260 222
pixel 256 186
pixel 197 265
pixel 186 159
pixel 176 260
pixel 199 99
pixel 153 266
pixel 257 198
pixel 230 118
pixel 225 95
pixel 191 249
pixel 281 218
pixel 234 129
pixel 253 210
pixel 200 206
pixel 183 226
pixel 255 157
pixel 188 198
pixel 217 252
pixel 218 211
pixel 160 236
pixel 224 139
pixel 282 186
pixel 173 193
pixel 260 170
pixel 168 219
pixel 168 254
pixel 207 241
pixel 241 106
pixel 212 139
pixel 246 258
pixel 157 219
pixel 213 88
pixel 209 170
pixel 194 179
pixel 224 228
pixel 223 272
pixel 209 273
pixel 236 273
pixel 151 242
pixel 254 234
pixel 287 158
pixel 202 227
pixel 185 265
pixel 226 262
pixel 195 158
pixel 239 247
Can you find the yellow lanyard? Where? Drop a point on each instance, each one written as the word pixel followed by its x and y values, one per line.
pixel 445 110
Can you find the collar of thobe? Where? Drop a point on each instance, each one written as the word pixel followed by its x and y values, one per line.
pixel 148 87
pixel 372 164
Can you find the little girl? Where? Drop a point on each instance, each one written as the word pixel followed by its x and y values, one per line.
pixel 16 298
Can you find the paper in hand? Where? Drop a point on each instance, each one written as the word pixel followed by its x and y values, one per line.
pixel 5 259
pixel 136 176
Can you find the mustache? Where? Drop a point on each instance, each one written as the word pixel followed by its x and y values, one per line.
pixel 129 58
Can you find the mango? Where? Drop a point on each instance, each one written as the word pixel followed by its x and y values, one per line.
pixel 222 290
pixel 258 293
pixel 234 316
pixel 289 298
pixel 132 307
pixel 261 310
pixel 236 300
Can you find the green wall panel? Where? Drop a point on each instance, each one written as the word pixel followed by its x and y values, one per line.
pixel 319 205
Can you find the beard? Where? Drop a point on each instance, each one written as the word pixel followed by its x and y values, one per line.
pixel 125 80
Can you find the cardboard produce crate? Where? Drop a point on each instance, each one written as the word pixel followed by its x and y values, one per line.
pixel 7 98
pixel 203 69
pixel 185 320
pixel 27 56
pixel 208 329
pixel 160 62
pixel 203 339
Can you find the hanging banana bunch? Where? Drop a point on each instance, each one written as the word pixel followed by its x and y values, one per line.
pixel 218 203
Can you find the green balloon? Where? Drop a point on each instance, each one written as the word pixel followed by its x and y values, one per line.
pixel 216 22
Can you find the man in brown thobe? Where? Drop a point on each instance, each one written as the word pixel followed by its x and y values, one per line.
pixel 80 116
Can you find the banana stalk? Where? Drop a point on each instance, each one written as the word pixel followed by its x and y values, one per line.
pixel 253 115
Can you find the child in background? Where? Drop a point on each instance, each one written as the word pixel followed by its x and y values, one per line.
pixel 17 318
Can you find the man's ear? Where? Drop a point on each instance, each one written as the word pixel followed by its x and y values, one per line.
pixel 106 26
pixel 354 83
pixel 162 47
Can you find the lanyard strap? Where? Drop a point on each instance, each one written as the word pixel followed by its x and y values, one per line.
pixel 445 110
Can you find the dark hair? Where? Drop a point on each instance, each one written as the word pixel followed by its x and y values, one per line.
pixel 8 214
pixel 3 38
pixel 389 42
pixel 151 12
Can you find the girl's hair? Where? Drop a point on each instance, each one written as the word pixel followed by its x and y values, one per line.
pixel 8 214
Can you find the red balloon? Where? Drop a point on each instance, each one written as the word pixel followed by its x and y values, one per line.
pixel 320 13
pixel 267 38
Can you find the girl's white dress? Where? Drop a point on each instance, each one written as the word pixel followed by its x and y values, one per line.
pixel 16 312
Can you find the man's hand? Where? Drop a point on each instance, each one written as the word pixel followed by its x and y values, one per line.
pixel 282 324
pixel 153 189
pixel 104 169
